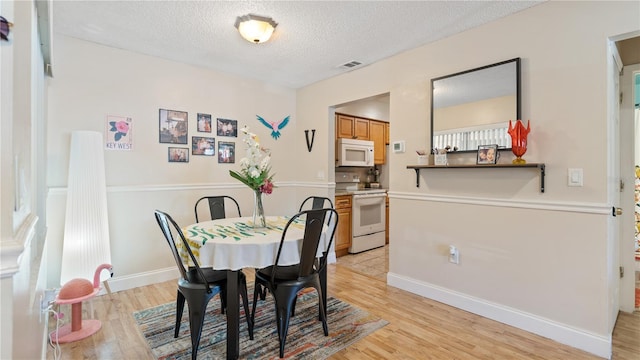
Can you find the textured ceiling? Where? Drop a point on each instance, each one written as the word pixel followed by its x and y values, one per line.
pixel 311 41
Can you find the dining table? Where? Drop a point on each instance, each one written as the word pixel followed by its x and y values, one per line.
pixel 233 244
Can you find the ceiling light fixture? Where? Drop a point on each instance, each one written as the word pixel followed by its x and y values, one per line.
pixel 256 29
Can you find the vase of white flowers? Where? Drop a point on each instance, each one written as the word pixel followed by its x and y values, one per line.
pixel 255 172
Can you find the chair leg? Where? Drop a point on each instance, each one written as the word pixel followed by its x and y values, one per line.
pixel 245 303
pixel 256 294
pixel 179 311
pixel 197 301
pixel 323 315
pixel 284 302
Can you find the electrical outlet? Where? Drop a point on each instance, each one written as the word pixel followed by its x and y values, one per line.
pixel 47 299
pixel 454 255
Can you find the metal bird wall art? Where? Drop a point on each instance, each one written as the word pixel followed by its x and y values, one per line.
pixel 274 126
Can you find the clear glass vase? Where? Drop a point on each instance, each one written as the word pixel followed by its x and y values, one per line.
pixel 259 220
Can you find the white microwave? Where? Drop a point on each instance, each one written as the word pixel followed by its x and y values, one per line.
pixel 353 152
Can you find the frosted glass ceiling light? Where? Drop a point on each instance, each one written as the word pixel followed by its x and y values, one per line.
pixel 86 242
pixel 256 29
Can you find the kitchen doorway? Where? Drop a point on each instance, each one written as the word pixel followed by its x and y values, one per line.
pixel 374 262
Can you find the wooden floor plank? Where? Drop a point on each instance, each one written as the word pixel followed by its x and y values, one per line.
pixel 418 328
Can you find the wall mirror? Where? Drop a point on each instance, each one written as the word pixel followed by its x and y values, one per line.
pixel 473 107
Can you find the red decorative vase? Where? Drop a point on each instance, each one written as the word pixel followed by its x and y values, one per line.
pixel 518 135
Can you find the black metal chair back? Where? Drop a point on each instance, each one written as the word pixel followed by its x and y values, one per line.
pixel 216 205
pixel 169 227
pixel 317 202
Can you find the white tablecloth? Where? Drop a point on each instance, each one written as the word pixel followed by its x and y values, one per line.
pixel 232 244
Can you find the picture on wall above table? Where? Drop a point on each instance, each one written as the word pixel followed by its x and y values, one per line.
pixel 226 152
pixel 173 127
pixel 227 127
pixel 203 146
pixel 204 122
pixel 118 134
pixel 487 154
pixel 177 154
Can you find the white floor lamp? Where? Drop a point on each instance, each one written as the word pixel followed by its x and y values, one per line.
pixel 86 248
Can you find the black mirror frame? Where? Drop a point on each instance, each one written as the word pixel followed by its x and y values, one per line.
pixel 518 96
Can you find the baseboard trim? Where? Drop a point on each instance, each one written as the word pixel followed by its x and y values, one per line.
pixel 596 344
pixel 120 283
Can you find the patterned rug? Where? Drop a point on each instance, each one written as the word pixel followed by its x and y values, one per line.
pixel 305 339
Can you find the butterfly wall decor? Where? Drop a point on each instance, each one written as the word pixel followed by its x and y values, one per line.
pixel 274 126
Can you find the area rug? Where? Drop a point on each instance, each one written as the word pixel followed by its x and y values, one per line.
pixel 305 339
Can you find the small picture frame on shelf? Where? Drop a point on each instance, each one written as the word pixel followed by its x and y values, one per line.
pixel 487 155
pixel 440 159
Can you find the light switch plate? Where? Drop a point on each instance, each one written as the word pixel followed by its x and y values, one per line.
pixel 575 177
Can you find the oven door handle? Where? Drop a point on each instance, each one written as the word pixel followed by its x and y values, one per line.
pixel 368 200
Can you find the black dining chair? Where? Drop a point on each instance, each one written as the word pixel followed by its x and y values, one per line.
pixel 216 206
pixel 316 202
pixel 197 285
pixel 285 281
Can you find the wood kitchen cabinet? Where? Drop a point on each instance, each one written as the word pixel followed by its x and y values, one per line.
pixel 386 134
pixel 343 231
pixel 351 127
pixel 377 131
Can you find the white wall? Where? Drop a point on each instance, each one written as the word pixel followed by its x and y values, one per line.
pixel 93 81
pixel 22 330
pixel 535 260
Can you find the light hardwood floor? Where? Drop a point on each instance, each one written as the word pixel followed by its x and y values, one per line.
pixel 418 328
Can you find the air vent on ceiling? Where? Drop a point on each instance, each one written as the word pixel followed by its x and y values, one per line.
pixel 350 64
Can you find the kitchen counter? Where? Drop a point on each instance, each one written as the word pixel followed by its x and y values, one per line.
pixel 359 191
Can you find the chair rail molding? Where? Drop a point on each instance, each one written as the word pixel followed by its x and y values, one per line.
pixel 202 186
pixel 11 251
pixel 568 206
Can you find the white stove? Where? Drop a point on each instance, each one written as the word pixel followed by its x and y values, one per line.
pixel 368 212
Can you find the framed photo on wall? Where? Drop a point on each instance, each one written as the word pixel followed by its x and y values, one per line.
pixel 226 152
pixel 203 146
pixel 227 127
pixel 177 154
pixel 487 154
pixel 173 127
pixel 204 122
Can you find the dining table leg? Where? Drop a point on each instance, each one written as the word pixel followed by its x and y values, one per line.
pixel 233 315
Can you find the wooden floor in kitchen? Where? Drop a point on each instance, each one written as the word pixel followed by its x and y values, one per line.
pixel 418 328
pixel 373 262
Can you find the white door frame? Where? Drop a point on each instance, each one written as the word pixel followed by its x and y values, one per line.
pixel 627 174
pixel 614 66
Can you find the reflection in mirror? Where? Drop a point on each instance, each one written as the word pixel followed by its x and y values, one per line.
pixel 473 107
